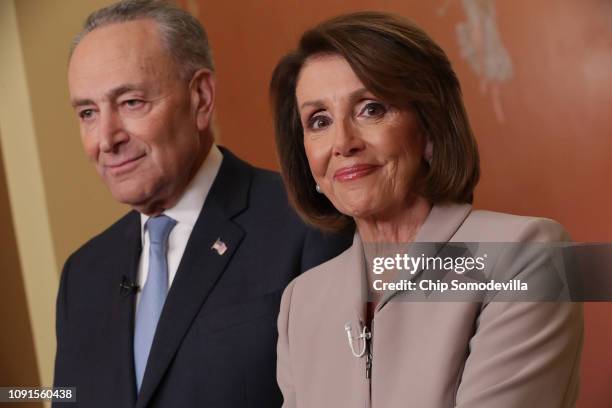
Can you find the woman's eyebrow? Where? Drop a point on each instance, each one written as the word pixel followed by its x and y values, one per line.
pixel 353 96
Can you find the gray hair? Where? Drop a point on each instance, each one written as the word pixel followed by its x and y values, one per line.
pixel 182 34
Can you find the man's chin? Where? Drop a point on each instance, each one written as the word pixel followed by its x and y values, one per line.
pixel 134 199
pixel 145 205
pixel 148 199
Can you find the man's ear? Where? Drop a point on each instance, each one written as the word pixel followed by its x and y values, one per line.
pixel 202 88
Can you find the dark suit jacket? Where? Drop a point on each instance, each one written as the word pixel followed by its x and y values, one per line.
pixel 215 344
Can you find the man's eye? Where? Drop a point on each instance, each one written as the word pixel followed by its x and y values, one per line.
pixel 133 103
pixel 86 114
pixel 374 109
pixel 319 122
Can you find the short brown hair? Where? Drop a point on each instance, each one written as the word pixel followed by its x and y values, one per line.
pixel 401 64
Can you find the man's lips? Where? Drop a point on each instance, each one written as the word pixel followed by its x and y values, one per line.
pixel 354 172
pixel 124 165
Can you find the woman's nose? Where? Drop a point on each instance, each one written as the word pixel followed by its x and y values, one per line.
pixel 347 140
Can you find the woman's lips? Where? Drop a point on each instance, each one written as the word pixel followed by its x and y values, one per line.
pixel 354 172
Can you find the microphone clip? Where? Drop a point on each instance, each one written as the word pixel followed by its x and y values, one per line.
pixel 362 340
pixel 127 287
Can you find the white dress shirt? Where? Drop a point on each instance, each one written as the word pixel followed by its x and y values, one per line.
pixel 185 213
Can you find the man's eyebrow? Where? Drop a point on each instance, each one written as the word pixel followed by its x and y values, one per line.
pixel 110 95
pixel 81 102
pixel 356 94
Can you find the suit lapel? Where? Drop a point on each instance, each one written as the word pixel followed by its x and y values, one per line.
pixel 350 285
pixel 439 227
pixel 200 268
pixel 124 264
pixel 356 286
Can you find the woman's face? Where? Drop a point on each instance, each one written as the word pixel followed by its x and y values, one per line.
pixel 364 154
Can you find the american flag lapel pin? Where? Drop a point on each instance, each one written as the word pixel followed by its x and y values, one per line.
pixel 219 246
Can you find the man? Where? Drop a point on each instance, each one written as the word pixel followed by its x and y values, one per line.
pixel 175 304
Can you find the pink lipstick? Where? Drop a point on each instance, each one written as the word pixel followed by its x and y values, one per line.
pixel 354 172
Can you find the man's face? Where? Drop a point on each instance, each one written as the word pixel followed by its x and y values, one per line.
pixel 141 123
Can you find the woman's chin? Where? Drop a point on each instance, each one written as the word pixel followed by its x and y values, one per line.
pixel 358 209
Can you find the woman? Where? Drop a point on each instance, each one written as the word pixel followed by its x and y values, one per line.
pixel 372 134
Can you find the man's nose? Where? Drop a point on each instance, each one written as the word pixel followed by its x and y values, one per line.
pixel 111 131
pixel 347 139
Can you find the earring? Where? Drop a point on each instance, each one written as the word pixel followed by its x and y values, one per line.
pixel 318 188
pixel 428 153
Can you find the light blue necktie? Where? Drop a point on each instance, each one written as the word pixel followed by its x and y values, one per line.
pixel 153 293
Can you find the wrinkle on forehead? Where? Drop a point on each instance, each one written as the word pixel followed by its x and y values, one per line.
pixel 327 78
pixel 130 52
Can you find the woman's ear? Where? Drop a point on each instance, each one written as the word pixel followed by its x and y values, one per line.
pixel 202 88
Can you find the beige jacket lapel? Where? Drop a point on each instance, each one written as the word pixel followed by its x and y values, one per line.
pixel 439 227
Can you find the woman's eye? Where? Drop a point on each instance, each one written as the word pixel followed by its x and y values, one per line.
pixel 318 122
pixel 374 109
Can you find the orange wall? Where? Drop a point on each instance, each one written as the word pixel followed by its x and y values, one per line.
pixel 543 132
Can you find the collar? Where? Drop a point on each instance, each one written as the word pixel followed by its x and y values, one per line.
pixel 440 225
pixel 443 222
pixel 189 206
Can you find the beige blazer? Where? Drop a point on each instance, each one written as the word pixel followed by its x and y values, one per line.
pixel 429 354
